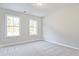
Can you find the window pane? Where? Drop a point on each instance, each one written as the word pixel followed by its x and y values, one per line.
pixel 13 31
pixel 16 29
pixel 10 31
pixel 33 27
pixel 35 31
pixel 9 21
pixel 33 23
pixel 16 21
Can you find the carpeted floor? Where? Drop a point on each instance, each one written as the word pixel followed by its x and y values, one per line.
pixel 39 48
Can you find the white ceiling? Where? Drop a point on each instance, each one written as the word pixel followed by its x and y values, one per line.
pixel 33 9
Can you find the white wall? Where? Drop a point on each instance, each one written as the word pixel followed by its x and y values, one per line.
pixel 63 26
pixel 24 27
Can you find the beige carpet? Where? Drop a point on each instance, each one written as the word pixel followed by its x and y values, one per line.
pixel 40 48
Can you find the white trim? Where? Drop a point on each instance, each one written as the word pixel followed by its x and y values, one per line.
pixel 6 25
pixel 62 44
pixel 18 43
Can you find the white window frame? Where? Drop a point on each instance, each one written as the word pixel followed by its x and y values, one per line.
pixel 12 26
pixel 31 34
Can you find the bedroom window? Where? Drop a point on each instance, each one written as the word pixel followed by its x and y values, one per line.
pixel 33 27
pixel 13 24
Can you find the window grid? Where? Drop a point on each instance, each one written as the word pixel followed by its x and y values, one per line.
pixel 33 27
pixel 12 26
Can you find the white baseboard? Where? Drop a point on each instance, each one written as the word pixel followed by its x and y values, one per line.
pixel 64 45
pixel 17 43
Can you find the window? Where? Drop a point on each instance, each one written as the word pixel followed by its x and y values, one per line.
pixel 33 27
pixel 13 26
